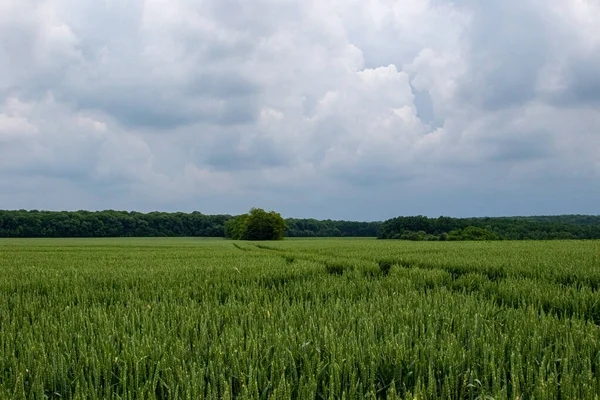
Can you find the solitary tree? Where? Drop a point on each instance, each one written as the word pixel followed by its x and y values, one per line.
pixel 256 225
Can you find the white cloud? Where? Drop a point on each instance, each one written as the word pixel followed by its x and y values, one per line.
pixel 157 104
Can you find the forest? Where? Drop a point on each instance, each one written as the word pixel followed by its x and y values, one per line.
pixel 497 228
pixel 111 223
pixel 328 228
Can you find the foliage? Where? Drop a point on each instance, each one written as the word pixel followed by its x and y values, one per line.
pixel 235 228
pixel 502 228
pixel 472 233
pixel 134 224
pixel 415 236
pixel 262 225
pixel 188 318
pixel 256 225
pixel 108 224
pixel 328 228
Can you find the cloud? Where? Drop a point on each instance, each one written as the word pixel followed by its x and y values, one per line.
pixel 358 110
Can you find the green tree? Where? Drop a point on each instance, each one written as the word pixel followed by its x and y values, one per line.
pixel 236 227
pixel 256 225
pixel 475 233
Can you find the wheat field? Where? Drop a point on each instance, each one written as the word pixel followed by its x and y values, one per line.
pixel 304 319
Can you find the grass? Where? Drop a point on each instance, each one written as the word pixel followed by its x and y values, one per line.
pixel 307 319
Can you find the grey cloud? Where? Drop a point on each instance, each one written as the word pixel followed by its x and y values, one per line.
pixel 113 75
pixel 510 42
pixel 259 18
pixel 373 175
pixel 217 98
pixel 77 175
pixel 261 154
pixel 152 108
pixel 426 109
pixel 220 84
pixel 521 146
pixel 582 82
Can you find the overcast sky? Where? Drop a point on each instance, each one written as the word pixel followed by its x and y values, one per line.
pixel 343 109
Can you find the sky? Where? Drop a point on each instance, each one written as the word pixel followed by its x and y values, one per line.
pixel 341 109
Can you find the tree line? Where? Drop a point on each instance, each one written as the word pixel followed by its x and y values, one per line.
pixel 110 223
pixel 492 228
pixel 329 228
